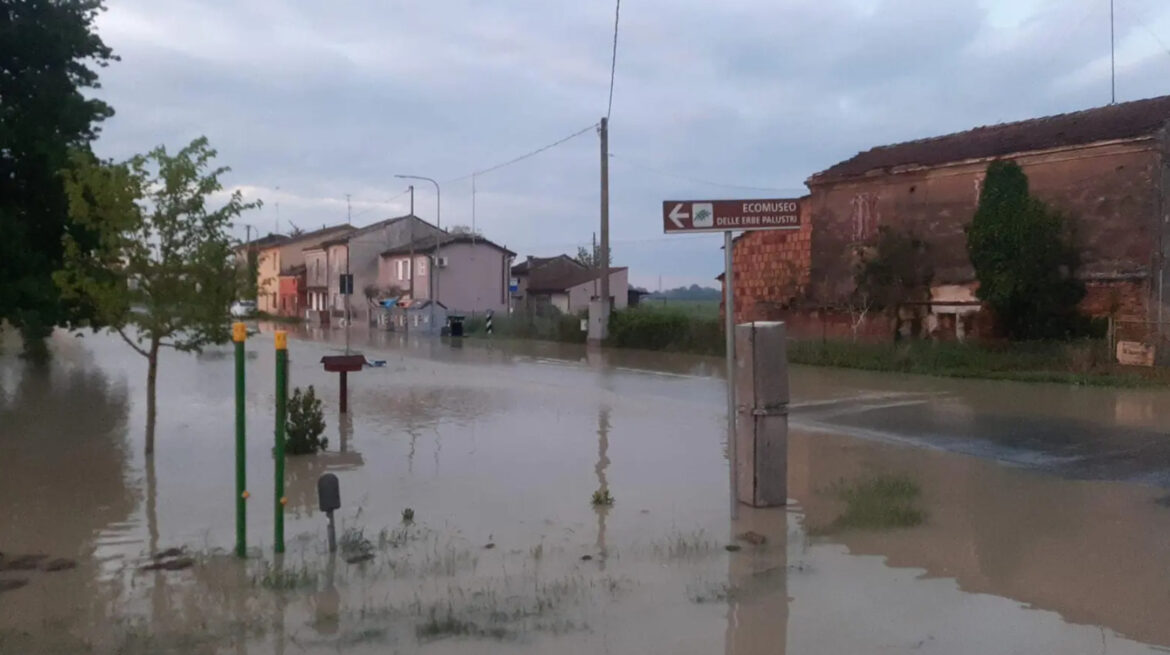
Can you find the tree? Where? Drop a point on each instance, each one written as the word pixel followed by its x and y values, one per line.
pixel 1024 258
pixel 47 48
pixel 163 274
pixel 305 424
pixel 591 259
pixel 892 269
pixel 464 230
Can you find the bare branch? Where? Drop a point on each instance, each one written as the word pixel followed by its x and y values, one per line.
pixel 133 345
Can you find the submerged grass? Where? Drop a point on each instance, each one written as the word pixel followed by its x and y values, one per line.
pixel 684 545
pixel 281 579
pixel 878 503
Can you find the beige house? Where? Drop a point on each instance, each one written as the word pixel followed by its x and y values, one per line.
pixel 282 256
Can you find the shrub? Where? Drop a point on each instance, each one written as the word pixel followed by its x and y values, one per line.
pixel 653 329
pixel 305 424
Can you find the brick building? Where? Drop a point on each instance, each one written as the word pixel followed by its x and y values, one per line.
pixel 1106 169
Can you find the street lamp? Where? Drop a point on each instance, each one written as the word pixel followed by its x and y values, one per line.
pixel 438 224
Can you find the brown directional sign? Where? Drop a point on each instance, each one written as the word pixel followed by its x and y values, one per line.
pixel 722 215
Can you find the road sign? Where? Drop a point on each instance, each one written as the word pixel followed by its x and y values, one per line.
pixel 689 216
pixel 722 215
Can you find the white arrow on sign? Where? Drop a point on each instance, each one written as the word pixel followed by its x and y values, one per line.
pixel 677 214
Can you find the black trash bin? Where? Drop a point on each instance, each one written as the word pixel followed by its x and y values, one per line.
pixel 455 325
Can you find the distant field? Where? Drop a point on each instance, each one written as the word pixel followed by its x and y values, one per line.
pixel 698 308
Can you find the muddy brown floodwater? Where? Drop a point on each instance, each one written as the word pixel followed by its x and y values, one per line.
pixel 1044 520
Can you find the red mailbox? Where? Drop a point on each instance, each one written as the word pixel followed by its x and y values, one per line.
pixel 344 365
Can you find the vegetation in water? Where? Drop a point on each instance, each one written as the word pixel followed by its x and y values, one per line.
pixel 602 498
pixel 305 424
pixel 281 579
pixel 162 271
pixel 878 503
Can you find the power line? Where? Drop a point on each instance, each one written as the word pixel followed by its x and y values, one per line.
pixel 526 155
pixel 617 12
pixel 696 180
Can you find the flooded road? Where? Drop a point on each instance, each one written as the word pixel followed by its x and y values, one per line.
pixel 1053 540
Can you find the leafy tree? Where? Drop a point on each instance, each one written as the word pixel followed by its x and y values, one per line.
pixel 47 49
pixel 1023 255
pixel 462 230
pixel 163 273
pixel 305 424
pixel 592 259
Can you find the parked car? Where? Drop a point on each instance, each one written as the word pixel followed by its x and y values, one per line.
pixel 243 308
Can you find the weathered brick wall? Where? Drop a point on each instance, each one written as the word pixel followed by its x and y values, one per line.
pixel 771 270
pixel 1109 192
pixel 1124 299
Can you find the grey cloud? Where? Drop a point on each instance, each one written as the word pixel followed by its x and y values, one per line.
pixel 325 99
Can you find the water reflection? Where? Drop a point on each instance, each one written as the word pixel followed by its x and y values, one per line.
pixel 63 488
pixel 757 585
pixel 602 482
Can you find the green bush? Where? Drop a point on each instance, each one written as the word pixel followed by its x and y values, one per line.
pixel 664 330
pixel 305 424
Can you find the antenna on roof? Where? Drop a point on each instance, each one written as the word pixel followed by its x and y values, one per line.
pixel 1112 56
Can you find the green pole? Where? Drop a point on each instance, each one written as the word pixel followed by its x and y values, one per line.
pixel 281 410
pixel 239 334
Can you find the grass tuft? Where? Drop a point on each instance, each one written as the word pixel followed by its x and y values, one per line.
pixel 879 503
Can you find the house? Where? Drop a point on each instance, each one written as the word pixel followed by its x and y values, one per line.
pixel 277 255
pixel 1107 170
pixel 358 253
pixel 566 284
pixel 418 316
pixel 465 272
pixel 292 294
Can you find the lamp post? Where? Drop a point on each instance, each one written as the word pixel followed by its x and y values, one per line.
pixel 439 224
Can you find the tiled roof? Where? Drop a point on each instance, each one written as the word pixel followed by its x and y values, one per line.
pixel 555 281
pixel 1113 122
pixel 427 244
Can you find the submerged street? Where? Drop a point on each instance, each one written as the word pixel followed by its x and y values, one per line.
pixel 1045 508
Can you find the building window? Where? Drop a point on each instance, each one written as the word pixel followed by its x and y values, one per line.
pixel 403 269
pixel 422 266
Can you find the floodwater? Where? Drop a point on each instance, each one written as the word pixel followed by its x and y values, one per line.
pixel 1047 525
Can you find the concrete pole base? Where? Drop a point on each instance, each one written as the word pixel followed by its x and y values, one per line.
pixel 761 432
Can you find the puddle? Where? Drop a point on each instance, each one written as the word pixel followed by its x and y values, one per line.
pixel 506 445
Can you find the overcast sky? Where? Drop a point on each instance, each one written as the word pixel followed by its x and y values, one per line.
pixel 310 101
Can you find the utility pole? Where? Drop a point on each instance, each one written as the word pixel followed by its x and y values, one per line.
pixel 1112 55
pixel 604 132
pixel 593 254
pixel 348 216
pixel 433 274
pixel 410 264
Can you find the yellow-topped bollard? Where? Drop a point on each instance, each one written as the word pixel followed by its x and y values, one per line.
pixel 281 417
pixel 239 335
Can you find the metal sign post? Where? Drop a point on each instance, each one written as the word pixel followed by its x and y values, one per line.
pixel 729 329
pixel 691 216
